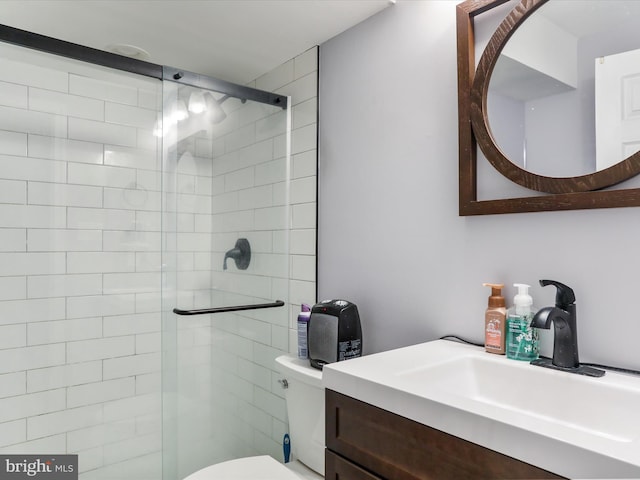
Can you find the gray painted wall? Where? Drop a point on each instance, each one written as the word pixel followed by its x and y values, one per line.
pixel 390 238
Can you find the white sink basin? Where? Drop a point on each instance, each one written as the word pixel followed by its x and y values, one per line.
pixel 572 425
pixel 570 400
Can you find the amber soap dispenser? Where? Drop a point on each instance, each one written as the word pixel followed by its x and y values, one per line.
pixel 495 320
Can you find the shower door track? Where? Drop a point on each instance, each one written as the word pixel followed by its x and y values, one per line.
pixel 95 56
pixel 235 308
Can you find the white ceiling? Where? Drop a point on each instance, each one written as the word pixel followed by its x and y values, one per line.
pixel 235 40
pixel 586 17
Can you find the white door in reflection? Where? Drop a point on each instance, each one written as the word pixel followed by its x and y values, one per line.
pixel 617 107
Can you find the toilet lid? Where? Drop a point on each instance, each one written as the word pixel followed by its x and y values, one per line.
pixel 249 468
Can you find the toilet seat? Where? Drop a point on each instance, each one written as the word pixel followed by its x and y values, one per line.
pixel 250 468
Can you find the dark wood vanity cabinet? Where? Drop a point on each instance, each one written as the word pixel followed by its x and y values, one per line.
pixel 367 443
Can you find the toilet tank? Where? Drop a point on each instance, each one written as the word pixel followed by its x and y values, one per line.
pixel 304 396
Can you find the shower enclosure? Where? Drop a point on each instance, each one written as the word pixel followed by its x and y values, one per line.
pixel 125 189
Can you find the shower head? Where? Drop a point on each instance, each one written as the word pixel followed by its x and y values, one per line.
pixel 196 102
pixel 214 109
pixel 203 101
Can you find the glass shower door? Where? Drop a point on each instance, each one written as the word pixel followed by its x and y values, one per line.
pixel 79 252
pixel 225 237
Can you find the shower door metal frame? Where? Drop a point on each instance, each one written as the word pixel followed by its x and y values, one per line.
pixel 95 56
pixel 173 74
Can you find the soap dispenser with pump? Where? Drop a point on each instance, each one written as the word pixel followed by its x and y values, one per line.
pixel 522 338
pixel 495 320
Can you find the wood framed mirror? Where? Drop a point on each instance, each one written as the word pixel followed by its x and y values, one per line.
pixel 480 151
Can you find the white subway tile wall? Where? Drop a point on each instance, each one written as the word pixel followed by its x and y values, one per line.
pixel 80 265
pixel 264 411
pixel 79 352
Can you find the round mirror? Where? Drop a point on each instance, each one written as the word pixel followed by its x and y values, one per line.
pixel 556 97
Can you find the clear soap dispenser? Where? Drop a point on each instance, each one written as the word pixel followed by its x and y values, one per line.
pixel 522 339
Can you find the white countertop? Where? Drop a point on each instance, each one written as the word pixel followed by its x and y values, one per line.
pixel 401 382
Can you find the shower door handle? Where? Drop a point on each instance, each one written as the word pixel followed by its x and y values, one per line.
pixel 235 308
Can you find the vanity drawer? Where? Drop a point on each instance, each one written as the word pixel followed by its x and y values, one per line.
pixel 337 468
pixel 397 448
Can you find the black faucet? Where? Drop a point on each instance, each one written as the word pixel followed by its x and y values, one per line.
pixel 563 316
pixel 565 340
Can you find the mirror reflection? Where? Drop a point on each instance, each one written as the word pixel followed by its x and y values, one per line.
pixel 564 95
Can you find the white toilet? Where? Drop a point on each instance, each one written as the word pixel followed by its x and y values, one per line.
pixel 305 406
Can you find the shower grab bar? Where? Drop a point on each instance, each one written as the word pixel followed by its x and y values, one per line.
pixel 236 308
